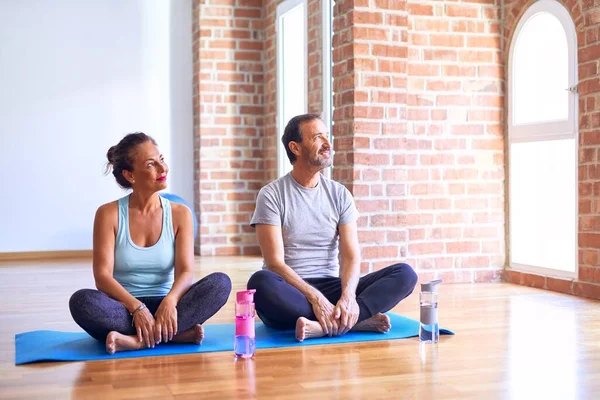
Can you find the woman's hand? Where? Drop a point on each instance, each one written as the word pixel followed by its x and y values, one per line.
pixel 144 325
pixel 166 320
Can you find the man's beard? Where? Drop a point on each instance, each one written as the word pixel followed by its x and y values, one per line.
pixel 320 161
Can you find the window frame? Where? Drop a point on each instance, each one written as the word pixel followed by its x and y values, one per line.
pixel 327 67
pixel 546 131
pixel 552 129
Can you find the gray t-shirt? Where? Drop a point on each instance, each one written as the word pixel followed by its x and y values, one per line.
pixel 309 220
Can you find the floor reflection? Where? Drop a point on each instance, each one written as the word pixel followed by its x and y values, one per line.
pixel 543 349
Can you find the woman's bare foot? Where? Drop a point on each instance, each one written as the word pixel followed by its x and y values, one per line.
pixel 193 335
pixel 116 341
pixel 377 323
pixel 307 329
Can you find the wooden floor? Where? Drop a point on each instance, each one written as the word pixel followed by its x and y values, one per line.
pixel 512 342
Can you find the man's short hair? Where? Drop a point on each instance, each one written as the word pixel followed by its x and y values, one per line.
pixel 292 132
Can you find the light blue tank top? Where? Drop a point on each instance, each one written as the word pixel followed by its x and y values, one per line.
pixel 145 271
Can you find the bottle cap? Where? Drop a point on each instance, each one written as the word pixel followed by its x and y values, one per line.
pixel 430 286
pixel 245 296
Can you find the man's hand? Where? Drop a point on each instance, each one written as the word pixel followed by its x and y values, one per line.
pixel 346 311
pixel 324 310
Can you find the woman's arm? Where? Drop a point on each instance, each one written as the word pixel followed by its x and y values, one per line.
pixel 166 314
pixel 105 228
pixel 184 252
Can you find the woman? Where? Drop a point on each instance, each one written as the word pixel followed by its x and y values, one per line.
pixel 143 260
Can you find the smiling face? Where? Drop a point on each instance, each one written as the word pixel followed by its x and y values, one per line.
pixel 315 148
pixel 149 168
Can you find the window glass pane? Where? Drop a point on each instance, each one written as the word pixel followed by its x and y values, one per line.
pixel 293 70
pixel 540 72
pixel 542 200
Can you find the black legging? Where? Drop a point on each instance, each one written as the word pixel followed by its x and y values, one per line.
pixel 279 304
pixel 98 314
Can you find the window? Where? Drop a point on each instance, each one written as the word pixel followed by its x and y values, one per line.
pixel 543 145
pixel 327 24
pixel 292 82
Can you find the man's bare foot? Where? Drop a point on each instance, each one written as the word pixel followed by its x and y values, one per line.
pixel 377 323
pixel 307 329
pixel 193 335
pixel 116 341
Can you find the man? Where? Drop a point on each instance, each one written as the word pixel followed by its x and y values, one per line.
pixel 303 221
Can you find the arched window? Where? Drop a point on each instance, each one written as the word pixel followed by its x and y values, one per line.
pixel 543 145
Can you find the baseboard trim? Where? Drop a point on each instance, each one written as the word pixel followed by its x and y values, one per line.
pixel 45 255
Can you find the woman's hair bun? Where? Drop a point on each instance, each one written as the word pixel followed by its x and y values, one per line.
pixel 110 154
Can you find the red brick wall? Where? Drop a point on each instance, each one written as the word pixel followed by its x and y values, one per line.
pixel 235 102
pixel 370 50
pixel 344 59
pixel 418 134
pixel 228 124
pixel 315 57
pixel 419 90
pixel 416 130
pixel 455 144
pixel 586 16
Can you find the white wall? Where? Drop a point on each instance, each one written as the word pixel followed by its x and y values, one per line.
pixel 75 77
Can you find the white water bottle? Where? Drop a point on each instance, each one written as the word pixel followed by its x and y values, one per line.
pixel 429 331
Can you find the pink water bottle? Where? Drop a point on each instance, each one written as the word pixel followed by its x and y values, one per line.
pixel 244 344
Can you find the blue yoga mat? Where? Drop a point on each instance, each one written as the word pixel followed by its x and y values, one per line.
pixel 44 345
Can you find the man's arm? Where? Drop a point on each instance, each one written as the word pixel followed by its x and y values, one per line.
pixel 350 252
pixel 347 308
pixel 271 246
